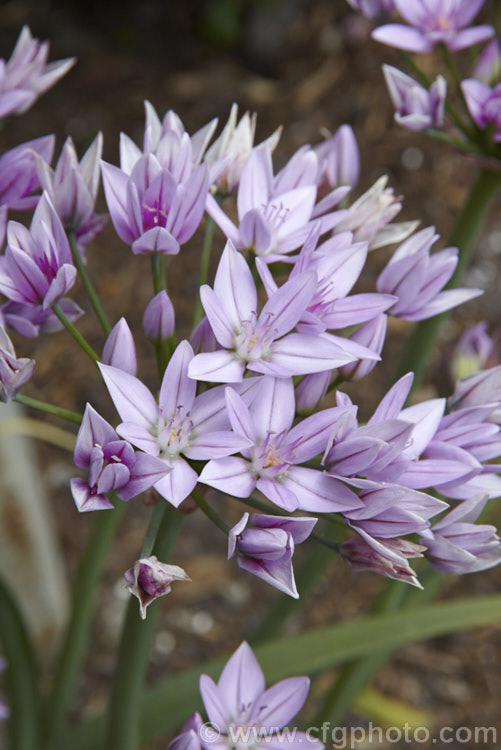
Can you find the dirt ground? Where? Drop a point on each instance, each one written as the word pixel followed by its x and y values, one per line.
pixel 306 64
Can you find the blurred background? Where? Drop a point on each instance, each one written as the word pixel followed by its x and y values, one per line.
pixel 306 64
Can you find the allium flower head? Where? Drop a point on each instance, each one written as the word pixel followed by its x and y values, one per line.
pixel 457 545
pixel 484 105
pixel 271 461
pixel 417 278
pixel 240 702
pixel 18 173
pixel 386 557
pixel 263 343
pixel 265 546
pixel 37 268
pixel 150 579
pixel 434 21
pixel 72 187
pixel 180 425
pixel 234 146
pixel 369 217
pixel 276 213
pixel 14 372
pixel 112 465
pixel 26 75
pixel 416 108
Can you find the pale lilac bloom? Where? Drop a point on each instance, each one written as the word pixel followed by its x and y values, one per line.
pixel 112 465
pixel 480 389
pixel 155 209
pixel 372 335
pixel 244 714
pixel 393 511
pixel 373 8
pixel 265 546
pixel 189 737
pixel 457 545
pixel 271 462
pixel 338 158
pixel 417 278
pixel 32 320
pixel 276 213
pixel 263 343
pixel 234 146
pixel 375 450
pixel 37 268
pixel 432 22
pixel 168 140
pixel 484 105
pixel 14 372
pixel 475 350
pixel 72 187
pixel 159 317
pixel 416 108
pixel 18 173
pixel 119 349
pixel 488 66
pixel 369 217
pixel 202 337
pixel 180 424
pixel 26 75
pixel 150 579
pixel 337 263
pixel 386 557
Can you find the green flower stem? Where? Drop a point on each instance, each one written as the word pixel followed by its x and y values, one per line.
pixel 125 706
pixel 88 285
pixel 57 411
pixel 82 343
pixel 209 512
pixel 465 235
pixel 163 349
pixel 456 78
pixel 204 267
pixel 159 272
pixel 461 145
pixel 77 633
pixel 356 675
pixel 21 677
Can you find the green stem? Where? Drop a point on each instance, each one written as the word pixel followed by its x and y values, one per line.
pixel 204 267
pixel 465 235
pixel 21 675
pixel 461 145
pixel 456 78
pixel 209 512
pixel 159 272
pixel 164 348
pixel 88 285
pixel 125 705
pixel 77 633
pixel 57 411
pixel 82 343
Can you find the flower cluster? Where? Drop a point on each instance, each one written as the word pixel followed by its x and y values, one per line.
pixel 243 406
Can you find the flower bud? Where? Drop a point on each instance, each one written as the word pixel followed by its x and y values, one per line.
pixel 158 318
pixel 150 579
pixel 14 373
pixel 119 349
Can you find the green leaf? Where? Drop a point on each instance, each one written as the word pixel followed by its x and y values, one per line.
pixel 165 706
pixel 21 676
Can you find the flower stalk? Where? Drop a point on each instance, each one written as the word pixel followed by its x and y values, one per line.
pixel 88 285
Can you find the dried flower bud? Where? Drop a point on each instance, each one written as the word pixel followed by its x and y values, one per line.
pixel 150 579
